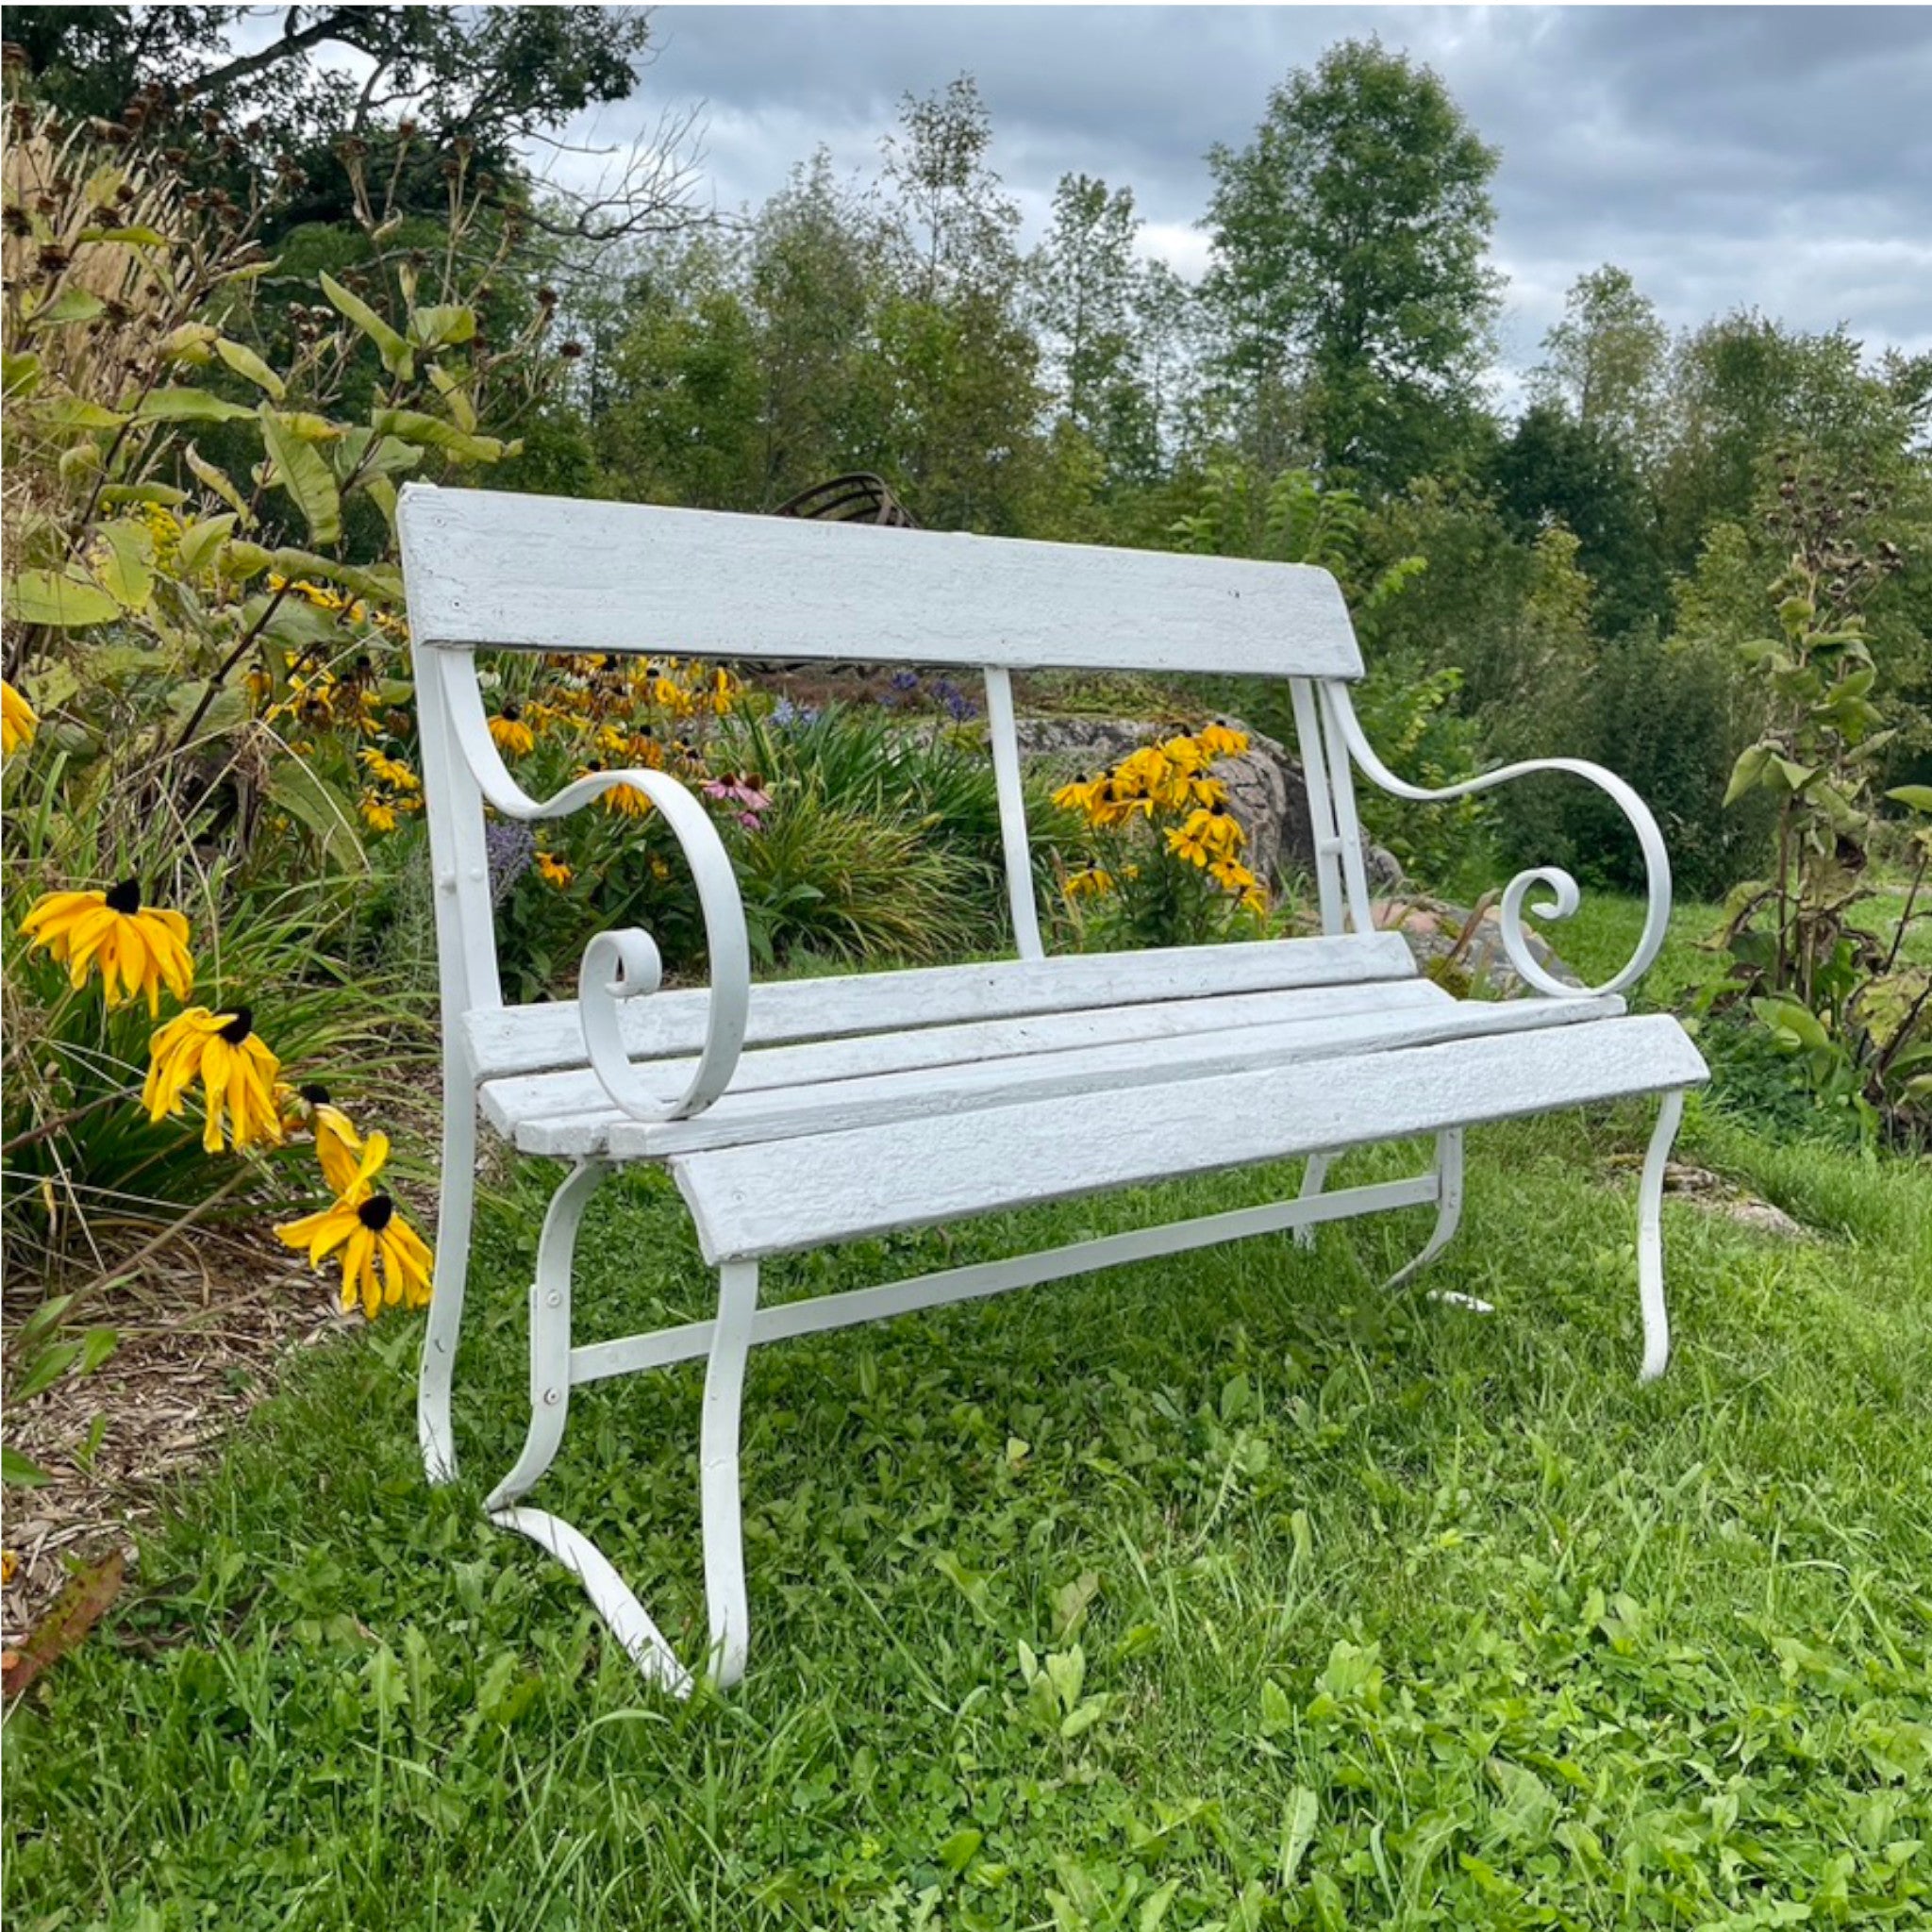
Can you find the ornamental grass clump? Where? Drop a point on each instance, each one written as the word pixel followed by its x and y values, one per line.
pixel 1168 867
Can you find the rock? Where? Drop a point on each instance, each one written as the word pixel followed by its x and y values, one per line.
pixel 1265 789
pixel 1712 1192
pixel 1462 946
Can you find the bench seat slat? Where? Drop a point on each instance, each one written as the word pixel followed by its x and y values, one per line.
pixel 783 1196
pixel 531 1039
pixel 1102 1072
pixel 531 1107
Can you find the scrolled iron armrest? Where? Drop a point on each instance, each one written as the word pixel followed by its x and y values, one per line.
pixel 625 963
pixel 1564 896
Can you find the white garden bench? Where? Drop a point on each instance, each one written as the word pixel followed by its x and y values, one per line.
pixel 797 1114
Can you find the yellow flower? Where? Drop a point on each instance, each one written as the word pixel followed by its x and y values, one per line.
pixel 724 689
pixel 337 1145
pixel 624 799
pixel 144 947
pixel 391 770
pixel 235 1066
pixel 1079 795
pixel 371 1236
pixel 18 719
pixel 1231 875
pixel 1220 741
pixel 510 733
pixel 554 869
pixel 1092 882
pixel 1206 836
pixel 378 814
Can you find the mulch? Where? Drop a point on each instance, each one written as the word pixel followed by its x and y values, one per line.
pixel 204 1331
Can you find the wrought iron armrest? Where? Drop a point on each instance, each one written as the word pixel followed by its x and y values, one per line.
pixel 625 963
pixel 1564 896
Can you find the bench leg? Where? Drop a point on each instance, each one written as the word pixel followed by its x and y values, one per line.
pixel 1650 1238
pixel 454 1210
pixel 724 1597
pixel 1314 1178
pixel 550 1333
pixel 1448 1217
pixel 729 1614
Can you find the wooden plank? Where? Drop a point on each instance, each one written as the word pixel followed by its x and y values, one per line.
pixel 532 1105
pixel 529 1040
pixel 500 569
pixel 784 1196
pixel 1102 1073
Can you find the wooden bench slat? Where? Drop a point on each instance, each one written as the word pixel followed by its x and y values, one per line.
pixel 1104 1071
pixel 504 571
pixel 529 1040
pixel 782 1196
pixel 530 1106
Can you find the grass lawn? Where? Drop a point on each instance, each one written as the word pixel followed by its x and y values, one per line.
pixel 1215 1593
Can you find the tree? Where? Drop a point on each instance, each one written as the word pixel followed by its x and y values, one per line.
pixel 1607 361
pixel 488 77
pixel 946 208
pixel 1349 272
pixel 1551 467
pixel 1746 390
pixel 814 274
pixel 1085 281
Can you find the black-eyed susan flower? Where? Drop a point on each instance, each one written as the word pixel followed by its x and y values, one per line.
pixel 1089 882
pixel 378 814
pixel 1220 741
pixel 554 871
pixel 622 800
pixel 1206 836
pixel 138 948
pixel 510 733
pixel 385 1261
pixel 392 771
pixel 337 1145
pixel 235 1066
pixel 18 719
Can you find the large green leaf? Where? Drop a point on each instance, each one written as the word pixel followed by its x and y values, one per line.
pixel 219 481
pixel 188 405
pixel 199 538
pixel 1746 773
pixel 412 425
pixel 125 569
pixel 1918 796
pixel 244 361
pixel 69 306
pixel 296 789
pixel 76 412
pixel 395 353
pixel 301 470
pixel 431 328
pixel 51 597
pixel 383 582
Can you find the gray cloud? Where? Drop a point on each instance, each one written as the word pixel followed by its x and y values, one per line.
pixel 1774 157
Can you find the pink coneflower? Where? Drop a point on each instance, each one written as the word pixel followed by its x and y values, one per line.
pixel 745 792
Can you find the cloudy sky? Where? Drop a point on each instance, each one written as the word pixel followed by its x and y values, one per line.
pixel 1779 158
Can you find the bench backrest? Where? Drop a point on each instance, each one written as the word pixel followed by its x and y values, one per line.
pixel 492 570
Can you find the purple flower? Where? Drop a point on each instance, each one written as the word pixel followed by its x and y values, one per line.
pixel 511 850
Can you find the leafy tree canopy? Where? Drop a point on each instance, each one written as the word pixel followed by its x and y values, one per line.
pixel 1350 244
